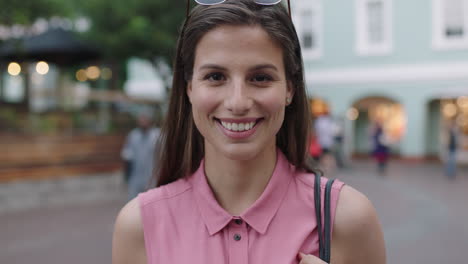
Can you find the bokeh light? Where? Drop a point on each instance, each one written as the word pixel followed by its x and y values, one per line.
pixel 93 72
pixel 106 74
pixel 14 68
pixel 42 67
pixel 81 75
pixel 462 101
pixel 449 110
pixel 352 114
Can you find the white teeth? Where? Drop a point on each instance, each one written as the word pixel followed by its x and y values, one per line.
pixel 238 126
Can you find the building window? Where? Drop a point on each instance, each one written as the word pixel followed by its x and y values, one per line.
pixel 375 22
pixel 450 24
pixel 308 21
pixel 373 27
pixel 308 32
pixel 453 19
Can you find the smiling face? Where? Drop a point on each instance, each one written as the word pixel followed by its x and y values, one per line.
pixel 238 91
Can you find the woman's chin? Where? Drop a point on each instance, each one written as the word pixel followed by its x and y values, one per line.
pixel 239 154
pixel 242 152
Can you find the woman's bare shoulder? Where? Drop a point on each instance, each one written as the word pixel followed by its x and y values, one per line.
pixel 353 209
pixel 357 234
pixel 128 245
pixel 129 218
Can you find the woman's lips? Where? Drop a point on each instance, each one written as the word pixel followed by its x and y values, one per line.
pixel 238 128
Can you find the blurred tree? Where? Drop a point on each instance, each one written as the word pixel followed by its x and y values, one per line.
pixel 138 28
pixel 25 12
pixel 123 29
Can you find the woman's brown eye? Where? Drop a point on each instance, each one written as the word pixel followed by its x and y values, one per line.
pixel 261 78
pixel 215 77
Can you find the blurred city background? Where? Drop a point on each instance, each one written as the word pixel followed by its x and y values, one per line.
pixel 387 82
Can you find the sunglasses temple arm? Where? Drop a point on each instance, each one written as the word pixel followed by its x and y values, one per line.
pixel 289 8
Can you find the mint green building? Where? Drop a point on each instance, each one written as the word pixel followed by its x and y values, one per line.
pixel 402 62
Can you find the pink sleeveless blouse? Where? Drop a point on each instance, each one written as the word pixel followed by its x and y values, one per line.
pixel 183 222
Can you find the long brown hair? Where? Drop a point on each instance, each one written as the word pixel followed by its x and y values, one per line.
pixel 182 144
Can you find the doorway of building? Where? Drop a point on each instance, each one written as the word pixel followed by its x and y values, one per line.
pixel 366 112
pixel 442 113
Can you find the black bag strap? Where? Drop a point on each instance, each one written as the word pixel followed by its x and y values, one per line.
pixel 325 234
pixel 327 242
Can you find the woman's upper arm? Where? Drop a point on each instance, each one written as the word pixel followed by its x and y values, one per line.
pixel 357 234
pixel 128 245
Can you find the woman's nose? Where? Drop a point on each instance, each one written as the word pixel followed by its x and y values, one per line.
pixel 238 100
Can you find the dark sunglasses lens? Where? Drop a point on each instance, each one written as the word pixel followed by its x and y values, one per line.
pixel 267 2
pixel 209 2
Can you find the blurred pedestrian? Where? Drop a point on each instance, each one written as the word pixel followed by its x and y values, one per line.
pixel 325 131
pixel 451 156
pixel 315 150
pixel 235 185
pixel 139 153
pixel 380 150
pixel 338 150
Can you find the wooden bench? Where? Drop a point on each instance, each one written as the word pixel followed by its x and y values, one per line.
pixel 37 157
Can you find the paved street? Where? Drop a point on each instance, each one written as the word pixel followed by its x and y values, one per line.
pixel 423 215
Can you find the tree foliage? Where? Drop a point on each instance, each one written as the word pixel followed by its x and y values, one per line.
pixel 122 28
pixel 25 12
pixel 141 28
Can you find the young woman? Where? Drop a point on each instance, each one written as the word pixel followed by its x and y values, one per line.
pixel 234 184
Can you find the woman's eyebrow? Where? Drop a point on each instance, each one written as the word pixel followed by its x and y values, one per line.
pixel 212 67
pixel 264 66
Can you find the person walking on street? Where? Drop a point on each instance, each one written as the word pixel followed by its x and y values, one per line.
pixel 325 131
pixel 315 150
pixel 235 184
pixel 139 151
pixel 451 157
pixel 338 150
pixel 380 149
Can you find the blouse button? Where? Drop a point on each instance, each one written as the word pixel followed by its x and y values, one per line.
pixel 238 221
pixel 237 237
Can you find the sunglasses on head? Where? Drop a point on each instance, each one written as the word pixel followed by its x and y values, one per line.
pixel 215 2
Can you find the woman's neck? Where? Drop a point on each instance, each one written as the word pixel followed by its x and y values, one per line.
pixel 237 184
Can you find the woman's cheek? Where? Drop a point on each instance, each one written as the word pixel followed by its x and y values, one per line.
pixel 274 104
pixel 205 101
